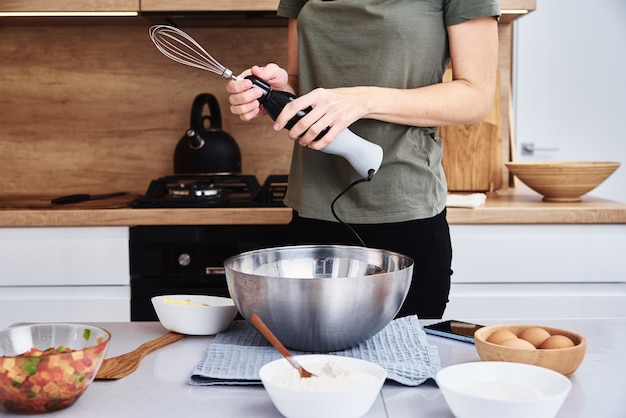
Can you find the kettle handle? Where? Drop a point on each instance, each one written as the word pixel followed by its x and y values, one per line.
pixel 197 119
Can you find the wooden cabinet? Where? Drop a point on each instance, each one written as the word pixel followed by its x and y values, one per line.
pixel 512 8
pixel 207 5
pixel 69 6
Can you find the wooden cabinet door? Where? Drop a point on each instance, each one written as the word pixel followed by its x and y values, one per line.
pixel 69 6
pixel 208 5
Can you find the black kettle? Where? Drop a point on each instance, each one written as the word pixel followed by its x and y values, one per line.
pixel 206 149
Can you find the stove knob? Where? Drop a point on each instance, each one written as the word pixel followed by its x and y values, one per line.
pixel 184 259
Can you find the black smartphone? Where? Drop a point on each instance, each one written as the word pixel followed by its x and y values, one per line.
pixel 457 330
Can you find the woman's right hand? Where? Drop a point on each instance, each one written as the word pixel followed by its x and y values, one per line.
pixel 244 99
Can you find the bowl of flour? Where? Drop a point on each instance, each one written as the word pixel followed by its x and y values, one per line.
pixel 502 389
pixel 341 387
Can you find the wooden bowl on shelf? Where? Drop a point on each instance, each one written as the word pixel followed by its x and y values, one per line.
pixel 562 360
pixel 562 181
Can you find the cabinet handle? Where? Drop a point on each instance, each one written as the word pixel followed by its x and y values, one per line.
pixel 529 148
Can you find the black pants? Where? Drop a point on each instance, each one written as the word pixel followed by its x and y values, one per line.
pixel 426 241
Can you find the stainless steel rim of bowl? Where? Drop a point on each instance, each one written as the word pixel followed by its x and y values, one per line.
pixel 267 255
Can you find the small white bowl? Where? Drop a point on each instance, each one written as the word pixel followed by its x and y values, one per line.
pixel 350 400
pixel 195 320
pixel 502 389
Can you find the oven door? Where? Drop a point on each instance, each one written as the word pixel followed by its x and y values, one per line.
pixel 188 259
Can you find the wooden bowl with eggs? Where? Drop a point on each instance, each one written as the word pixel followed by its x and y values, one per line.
pixel 554 348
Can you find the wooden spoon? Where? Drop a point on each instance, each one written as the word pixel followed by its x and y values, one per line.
pixel 267 333
pixel 123 365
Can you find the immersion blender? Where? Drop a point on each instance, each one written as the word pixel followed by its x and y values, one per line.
pixel 360 153
pixel 364 156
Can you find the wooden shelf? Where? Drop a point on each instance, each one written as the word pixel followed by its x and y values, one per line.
pixel 512 9
pixel 69 6
pixel 208 5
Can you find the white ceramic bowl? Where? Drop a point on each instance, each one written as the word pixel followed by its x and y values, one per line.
pixel 502 389
pixel 195 320
pixel 351 400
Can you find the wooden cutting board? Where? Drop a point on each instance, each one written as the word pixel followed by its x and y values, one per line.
pixel 472 158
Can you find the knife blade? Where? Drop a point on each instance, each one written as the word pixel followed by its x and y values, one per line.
pixel 83 197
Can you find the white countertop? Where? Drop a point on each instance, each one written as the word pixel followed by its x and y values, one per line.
pixel 159 387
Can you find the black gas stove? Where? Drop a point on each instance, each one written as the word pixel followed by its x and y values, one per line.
pixel 188 259
pixel 218 191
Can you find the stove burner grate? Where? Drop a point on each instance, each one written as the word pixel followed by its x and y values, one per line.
pixel 213 191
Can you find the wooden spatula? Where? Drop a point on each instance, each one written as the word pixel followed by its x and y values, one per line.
pixel 267 333
pixel 123 365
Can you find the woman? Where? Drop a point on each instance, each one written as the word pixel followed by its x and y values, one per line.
pixel 376 66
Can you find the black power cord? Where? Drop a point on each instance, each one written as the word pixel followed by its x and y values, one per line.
pixel 370 176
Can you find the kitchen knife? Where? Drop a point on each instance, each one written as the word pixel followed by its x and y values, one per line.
pixel 75 198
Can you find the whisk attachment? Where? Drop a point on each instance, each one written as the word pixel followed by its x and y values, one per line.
pixel 178 46
pixel 366 157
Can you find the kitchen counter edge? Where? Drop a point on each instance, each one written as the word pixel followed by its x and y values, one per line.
pixel 508 207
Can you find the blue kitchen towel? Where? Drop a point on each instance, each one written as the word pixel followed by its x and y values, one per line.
pixel 235 356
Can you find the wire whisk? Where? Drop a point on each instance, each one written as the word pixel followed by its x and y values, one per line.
pixel 178 46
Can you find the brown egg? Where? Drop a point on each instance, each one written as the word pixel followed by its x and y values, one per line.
pixel 498 336
pixel 534 335
pixel 557 341
pixel 517 343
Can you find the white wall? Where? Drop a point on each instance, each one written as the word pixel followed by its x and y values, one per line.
pixel 570 85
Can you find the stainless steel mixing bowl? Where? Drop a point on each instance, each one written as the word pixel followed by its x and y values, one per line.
pixel 320 298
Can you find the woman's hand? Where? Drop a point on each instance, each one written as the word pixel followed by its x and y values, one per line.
pixel 335 109
pixel 243 98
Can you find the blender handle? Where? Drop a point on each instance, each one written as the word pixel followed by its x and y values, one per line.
pixel 363 155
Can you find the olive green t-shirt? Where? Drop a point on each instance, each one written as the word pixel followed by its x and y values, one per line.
pixel 391 43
